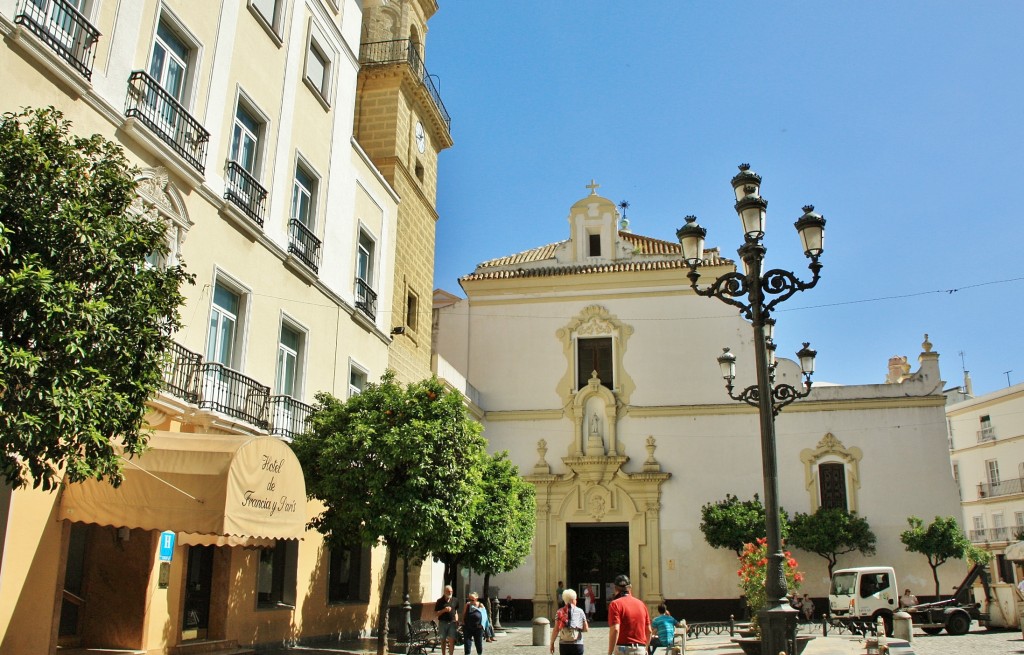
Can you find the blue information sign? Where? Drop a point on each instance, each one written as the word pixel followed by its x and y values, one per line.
pixel 167 545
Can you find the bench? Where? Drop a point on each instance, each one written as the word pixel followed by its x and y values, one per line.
pixel 422 637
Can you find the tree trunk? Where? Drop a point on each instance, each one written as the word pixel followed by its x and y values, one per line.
pixel 487 584
pixel 935 576
pixel 390 573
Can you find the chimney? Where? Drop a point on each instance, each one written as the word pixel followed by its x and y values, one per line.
pixel 968 388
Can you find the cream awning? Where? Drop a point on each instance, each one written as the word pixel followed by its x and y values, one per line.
pixel 211 488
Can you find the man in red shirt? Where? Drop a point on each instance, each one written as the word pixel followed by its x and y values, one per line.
pixel 629 622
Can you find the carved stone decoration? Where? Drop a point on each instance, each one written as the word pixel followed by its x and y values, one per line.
pixel 651 464
pixel 158 199
pixel 596 490
pixel 595 321
pixel 831 449
pixel 542 467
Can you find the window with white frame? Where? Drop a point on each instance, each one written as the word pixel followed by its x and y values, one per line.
pixel 1018 519
pixel 364 258
pixel 998 527
pixel 318 69
pixel 304 196
pixel 245 139
pixel 224 325
pixel 986 431
pixel 170 60
pixel 289 361
pixel 356 379
pixel 992 471
pixel 270 14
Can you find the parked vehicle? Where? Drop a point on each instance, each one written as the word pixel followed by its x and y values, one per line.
pixel 865 593
pixel 870 592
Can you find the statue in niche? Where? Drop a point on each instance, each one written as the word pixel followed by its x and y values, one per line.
pixel 595 425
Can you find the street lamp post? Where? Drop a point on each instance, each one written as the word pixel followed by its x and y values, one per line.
pixel 762 292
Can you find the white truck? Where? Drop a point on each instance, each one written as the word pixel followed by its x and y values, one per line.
pixel 867 593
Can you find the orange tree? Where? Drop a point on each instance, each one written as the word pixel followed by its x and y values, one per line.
pixel 397 466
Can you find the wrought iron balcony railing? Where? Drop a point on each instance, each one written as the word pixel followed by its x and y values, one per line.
pixel 382 53
pixel 288 416
pixel 228 391
pixel 244 191
pixel 181 373
pixel 303 244
pixel 158 110
pixel 64 30
pixel 366 299
pixel 987 434
pixel 987 535
pixel 1001 488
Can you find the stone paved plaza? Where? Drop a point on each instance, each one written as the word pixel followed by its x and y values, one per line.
pixel 518 640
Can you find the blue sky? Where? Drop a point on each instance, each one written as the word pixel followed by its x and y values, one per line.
pixel 900 121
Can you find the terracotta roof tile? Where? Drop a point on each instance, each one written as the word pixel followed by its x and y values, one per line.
pixel 510 266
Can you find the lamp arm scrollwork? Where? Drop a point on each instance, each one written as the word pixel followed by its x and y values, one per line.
pixel 726 288
pixel 783 284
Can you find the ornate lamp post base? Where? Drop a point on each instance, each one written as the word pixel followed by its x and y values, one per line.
pixel 778 629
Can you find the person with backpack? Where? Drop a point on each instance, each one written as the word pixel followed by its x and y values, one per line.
pixel 570 624
pixel 473 624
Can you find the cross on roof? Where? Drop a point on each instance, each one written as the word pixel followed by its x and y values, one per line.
pixel 593 187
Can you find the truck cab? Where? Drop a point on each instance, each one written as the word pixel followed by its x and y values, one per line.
pixel 864 592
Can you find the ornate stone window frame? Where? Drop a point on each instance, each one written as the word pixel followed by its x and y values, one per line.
pixel 595 321
pixel 831 450
pixel 158 198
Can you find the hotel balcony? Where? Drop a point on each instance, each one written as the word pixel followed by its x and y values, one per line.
pixel 245 192
pixel 155 108
pixel 303 244
pixel 403 51
pixel 215 387
pixel 366 299
pixel 288 416
pixel 64 30
pixel 987 434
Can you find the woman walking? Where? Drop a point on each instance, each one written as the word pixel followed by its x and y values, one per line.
pixel 570 624
pixel 473 624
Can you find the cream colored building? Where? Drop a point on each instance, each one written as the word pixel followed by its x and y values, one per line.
pixel 241 117
pixel 622 460
pixel 986 441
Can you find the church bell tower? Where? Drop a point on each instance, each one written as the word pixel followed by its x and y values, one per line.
pixel 402 125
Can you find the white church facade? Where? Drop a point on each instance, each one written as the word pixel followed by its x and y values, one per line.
pixel 594 364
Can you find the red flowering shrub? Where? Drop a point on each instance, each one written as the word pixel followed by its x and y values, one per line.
pixel 753 569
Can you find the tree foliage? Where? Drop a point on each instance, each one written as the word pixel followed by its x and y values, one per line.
pixel 831 532
pixel 503 521
pixel 393 465
pixel 732 523
pixel 84 322
pixel 939 541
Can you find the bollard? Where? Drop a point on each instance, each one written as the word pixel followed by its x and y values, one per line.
pixel 496 613
pixel 541 626
pixel 903 627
